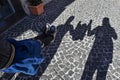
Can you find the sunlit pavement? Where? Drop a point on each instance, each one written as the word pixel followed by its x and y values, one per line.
pixel 66 58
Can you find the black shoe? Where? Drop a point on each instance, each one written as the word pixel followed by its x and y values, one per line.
pixel 50 36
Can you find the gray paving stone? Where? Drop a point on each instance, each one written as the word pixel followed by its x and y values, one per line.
pixel 70 73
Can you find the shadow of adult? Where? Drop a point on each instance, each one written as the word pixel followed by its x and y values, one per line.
pixel 52 49
pixel 101 53
pixel 79 32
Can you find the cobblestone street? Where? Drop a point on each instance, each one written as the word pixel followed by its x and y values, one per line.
pixel 75 54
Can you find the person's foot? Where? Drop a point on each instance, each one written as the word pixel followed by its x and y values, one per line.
pixel 49 35
pixel 50 29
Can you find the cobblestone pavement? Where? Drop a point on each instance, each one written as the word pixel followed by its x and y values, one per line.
pixel 74 55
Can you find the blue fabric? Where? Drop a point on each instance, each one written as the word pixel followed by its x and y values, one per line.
pixel 27 57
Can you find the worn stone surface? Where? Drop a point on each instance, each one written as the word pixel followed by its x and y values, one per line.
pixel 74 55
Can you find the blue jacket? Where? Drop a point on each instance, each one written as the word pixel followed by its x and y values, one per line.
pixel 27 57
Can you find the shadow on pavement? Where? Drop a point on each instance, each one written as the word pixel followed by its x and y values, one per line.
pixel 101 53
pixel 79 32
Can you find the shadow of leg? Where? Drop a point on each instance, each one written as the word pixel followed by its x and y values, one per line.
pixel 102 72
pixel 89 70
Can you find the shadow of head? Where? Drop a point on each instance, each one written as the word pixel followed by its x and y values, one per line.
pixel 79 32
pixel 106 22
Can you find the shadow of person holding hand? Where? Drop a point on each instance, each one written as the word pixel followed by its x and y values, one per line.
pixel 79 32
pixel 101 53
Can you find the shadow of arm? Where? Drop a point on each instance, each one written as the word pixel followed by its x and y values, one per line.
pixel 90 32
pixel 114 35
